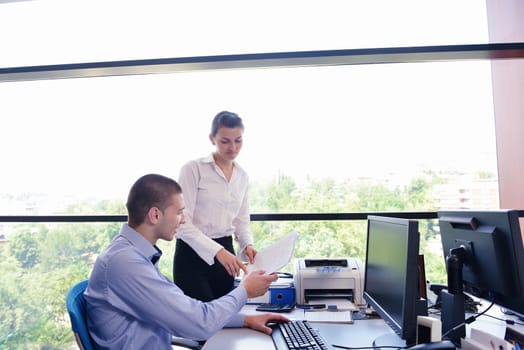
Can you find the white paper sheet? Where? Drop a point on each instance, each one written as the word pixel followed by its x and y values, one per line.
pixel 275 256
pixel 329 316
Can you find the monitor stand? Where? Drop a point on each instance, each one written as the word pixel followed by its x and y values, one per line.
pixel 453 316
pixel 387 341
pixel 453 310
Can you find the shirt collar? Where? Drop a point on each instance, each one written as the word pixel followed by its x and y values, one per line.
pixel 151 252
pixel 211 160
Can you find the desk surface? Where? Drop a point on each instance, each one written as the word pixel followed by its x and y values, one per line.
pixel 359 333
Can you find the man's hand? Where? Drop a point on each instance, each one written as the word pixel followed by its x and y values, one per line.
pixel 230 262
pixel 257 283
pixel 250 253
pixel 259 322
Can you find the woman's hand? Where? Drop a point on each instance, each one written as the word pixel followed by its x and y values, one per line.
pixel 230 262
pixel 250 253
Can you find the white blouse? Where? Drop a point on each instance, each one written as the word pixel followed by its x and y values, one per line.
pixel 215 208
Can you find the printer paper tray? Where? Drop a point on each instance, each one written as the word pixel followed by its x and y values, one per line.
pixel 341 303
pixel 329 295
pixel 313 294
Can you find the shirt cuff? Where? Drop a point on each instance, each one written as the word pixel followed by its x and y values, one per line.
pixel 243 242
pixel 209 254
pixel 237 321
pixel 242 254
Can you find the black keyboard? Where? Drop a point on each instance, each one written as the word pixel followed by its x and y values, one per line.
pixel 297 334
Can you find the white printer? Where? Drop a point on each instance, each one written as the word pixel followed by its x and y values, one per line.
pixel 337 278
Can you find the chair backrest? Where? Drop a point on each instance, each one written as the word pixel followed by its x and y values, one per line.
pixel 76 307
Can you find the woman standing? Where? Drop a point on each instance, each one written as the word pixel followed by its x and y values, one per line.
pixel 215 190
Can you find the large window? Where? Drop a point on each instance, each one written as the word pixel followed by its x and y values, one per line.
pixel 91 138
pixel 318 139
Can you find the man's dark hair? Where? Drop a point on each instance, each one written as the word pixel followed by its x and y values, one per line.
pixel 225 119
pixel 149 191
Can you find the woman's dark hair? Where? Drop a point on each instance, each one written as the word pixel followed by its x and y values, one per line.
pixel 149 191
pixel 225 119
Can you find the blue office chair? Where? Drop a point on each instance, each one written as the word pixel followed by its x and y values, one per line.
pixel 76 307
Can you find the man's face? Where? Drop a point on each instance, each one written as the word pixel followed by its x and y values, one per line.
pixel 171 218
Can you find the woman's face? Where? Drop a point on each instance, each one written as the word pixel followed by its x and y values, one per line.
pixel 228 142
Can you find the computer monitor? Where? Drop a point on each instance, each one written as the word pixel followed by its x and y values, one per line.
pixel 391 285
pixel 485 258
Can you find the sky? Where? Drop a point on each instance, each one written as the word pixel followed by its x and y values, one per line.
pixel 65 31
pixel 97 135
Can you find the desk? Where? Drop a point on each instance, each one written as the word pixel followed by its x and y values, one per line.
pixel 359 333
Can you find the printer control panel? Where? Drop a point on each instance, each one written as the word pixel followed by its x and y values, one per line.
pixel 326 265
pixel 326 262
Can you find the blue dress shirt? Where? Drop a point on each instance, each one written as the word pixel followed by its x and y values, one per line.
pixel 131 305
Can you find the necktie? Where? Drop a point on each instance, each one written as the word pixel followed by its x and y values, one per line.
pixel 155 258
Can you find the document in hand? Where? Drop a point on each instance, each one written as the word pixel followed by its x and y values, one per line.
pixel 275 256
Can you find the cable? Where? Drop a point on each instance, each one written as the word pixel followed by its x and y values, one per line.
pixel 468 320
pixel 436 305
pixel 369 347
pixel 510 322
pixel 509 312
